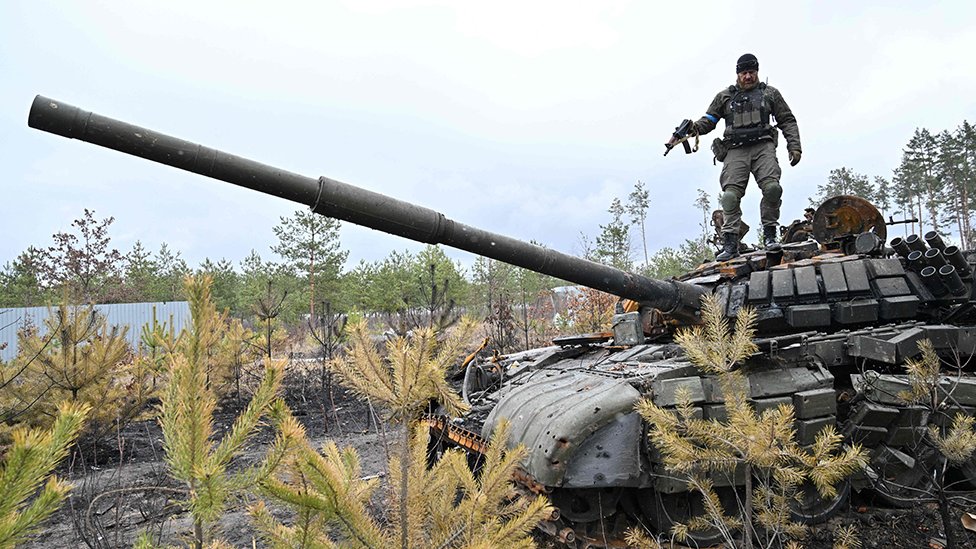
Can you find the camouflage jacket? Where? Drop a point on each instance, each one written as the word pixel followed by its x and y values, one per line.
pixel 776 105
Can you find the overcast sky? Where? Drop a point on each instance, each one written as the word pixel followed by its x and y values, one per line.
pixel 523 118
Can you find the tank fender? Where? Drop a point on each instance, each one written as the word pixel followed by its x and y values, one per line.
pixel 570 416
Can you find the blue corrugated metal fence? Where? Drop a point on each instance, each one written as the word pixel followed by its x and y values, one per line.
pixel 133 315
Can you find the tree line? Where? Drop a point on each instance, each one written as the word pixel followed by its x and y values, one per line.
pixel 934 184
pixel 403 291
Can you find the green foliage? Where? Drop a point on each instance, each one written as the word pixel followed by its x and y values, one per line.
pixel 157 341
pixel 669 262
pixel 225 283
pixel 195 459
pixel 153 277
pixel 638 201
pixel 613 245
pixel 309 244
pixel 20 280
pixel 844 181
pixel 406 289
pixel 763 444
pixel 237 350
pixel 170 271
pixel 935 182
pixel 324 491
pixel 917 175
pixel 448 506
pixel 30 459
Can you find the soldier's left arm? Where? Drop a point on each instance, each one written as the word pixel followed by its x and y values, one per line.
pixel 785 120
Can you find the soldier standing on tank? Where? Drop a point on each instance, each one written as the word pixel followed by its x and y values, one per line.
pixel 749 147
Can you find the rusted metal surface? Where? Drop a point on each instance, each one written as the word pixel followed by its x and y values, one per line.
pixel 847 215
pixel 459 436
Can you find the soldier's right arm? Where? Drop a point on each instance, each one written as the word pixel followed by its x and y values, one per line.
pixel 713 114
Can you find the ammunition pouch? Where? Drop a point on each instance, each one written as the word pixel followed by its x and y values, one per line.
pixel 720 148
pixel 747 136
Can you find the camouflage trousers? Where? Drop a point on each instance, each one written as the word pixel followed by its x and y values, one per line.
pixel 758 159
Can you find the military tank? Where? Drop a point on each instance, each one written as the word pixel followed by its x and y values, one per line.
pixel 838 316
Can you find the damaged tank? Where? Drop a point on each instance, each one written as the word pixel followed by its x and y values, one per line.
pixel 839 314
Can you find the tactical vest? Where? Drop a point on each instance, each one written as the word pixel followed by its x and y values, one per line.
pixel 748 117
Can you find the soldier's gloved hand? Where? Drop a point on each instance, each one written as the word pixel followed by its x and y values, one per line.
pixel 794 158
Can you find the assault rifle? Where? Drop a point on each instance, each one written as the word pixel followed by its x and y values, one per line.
pixel 680 135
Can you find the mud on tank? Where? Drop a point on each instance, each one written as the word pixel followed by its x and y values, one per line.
pixel 838 317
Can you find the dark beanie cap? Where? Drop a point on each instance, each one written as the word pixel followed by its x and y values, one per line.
pixel 747 62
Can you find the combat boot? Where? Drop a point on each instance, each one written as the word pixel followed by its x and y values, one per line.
pixel 730 248
pixel 770 238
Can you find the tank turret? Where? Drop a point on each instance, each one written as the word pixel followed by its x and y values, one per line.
pixel 839 315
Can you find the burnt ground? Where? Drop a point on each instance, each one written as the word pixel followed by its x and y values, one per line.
pixel 882 527
pixel 121 487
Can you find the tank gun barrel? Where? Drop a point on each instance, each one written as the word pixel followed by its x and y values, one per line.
pixel 359 206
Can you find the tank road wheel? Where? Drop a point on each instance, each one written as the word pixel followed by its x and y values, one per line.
pixel 665 510
pixel 812 508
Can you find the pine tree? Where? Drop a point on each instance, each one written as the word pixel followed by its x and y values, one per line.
pixel 704 206
pixel 916 176
pixel 764 445
pixel 31 457
pixel 638 201
pixel 226 283
pixel 140 273
pixel 199 462
pixel 882 194
pixel 309 244
pixel 78 357
pixel 444 506
pixel 843 181
pixel 669 262
pixel 954 441
pixel 438 288
pixel 171 270
pixel 613 246
pixel 21 280
pixel 966 136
